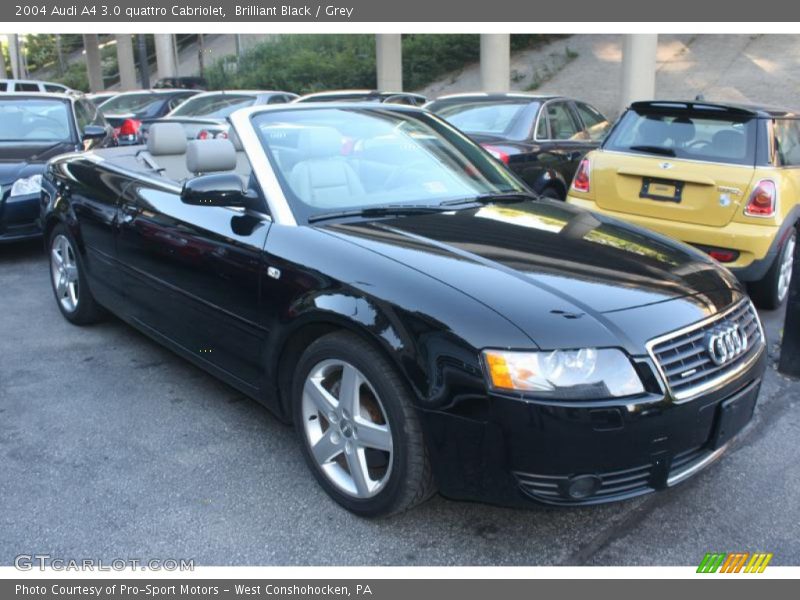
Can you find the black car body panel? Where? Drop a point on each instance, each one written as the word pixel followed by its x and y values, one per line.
pixel 242 296
pixel 19 215
pixel 530 146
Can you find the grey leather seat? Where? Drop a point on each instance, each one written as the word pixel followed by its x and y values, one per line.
pixel 166 150
pixel 323 178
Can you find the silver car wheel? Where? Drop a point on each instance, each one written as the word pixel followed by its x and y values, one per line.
pixel 64 270
pixel 346 428
pixel 787 264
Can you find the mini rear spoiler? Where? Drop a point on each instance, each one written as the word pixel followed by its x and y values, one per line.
pixel 669 106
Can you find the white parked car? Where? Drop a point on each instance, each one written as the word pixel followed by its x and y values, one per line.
pixel 32 85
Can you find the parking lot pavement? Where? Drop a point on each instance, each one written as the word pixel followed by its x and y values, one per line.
pixel 113 447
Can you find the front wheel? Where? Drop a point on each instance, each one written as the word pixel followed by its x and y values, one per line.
pixel 71 289
pixel 771 291
pixel 359 432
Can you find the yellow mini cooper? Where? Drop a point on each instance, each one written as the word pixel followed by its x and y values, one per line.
pixel 722 177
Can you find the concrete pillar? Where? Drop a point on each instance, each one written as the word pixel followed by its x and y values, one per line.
pixel 165 55
pixel 638 67
pixel 94 66
pixel 127 66
pixel 3 70
pixel 389 61
pixel 495 62
pixel 13 55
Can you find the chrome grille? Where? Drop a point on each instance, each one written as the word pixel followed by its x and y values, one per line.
pixel 613 485
pixel 685 362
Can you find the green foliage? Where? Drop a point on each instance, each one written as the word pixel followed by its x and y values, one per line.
pixel 75 76
pixel 312 63
pixel 301 64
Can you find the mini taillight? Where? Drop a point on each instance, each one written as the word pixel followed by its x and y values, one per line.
pixel 581 182
pixel 130 127
pixel 203 135
pixel 723 256
pixel 496 152
pixel 762 200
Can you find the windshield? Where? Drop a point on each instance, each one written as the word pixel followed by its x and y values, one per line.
pixel 330 160
pixel 218 106
pixel 687 134
pixel 494 118
pixel 131 103
pixel 34 120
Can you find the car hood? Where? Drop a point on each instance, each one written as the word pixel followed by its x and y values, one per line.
pixel 563 275
pixel 11 170
pixel 18 153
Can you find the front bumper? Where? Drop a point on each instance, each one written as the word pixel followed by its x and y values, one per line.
pixel 19 218
pixel 525 452
pixel 756 243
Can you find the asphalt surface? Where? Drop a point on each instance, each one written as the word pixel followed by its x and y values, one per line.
pixel 112 447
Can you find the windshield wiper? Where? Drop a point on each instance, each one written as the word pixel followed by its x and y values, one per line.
pixel 492 197
pixel 379 211
pixel 654 150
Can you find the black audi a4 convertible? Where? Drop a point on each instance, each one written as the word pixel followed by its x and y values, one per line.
pixel 373 276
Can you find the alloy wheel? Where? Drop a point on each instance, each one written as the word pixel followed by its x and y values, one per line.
pixel 787 264
pixel 346 428
pixel 64 271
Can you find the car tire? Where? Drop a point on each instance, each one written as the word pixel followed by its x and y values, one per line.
pixel 552 192
pixel 773 289
pixel 68 279
pixel 344 435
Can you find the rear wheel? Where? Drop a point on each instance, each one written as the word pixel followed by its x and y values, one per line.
pixel 359 432
pixel 771 291
pixel 70 287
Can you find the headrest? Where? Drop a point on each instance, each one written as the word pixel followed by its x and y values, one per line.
pixel 210 156
pixel 681 130
pixel 730 144
pixel 319 142
pixel 652 131
pixel 166 138
pixel 235 140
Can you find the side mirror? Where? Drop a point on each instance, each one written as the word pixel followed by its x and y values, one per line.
pixel 93 133
pixel 221 189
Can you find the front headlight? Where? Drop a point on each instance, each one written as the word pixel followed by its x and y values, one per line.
pixel 28 185
pixel 586 374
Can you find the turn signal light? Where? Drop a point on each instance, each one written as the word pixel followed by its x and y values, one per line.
pixel 581 182
pixel 763 199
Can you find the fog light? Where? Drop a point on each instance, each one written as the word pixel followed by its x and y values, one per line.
pixel 582 486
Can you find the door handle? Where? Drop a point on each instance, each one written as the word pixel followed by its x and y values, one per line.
pixel 128 213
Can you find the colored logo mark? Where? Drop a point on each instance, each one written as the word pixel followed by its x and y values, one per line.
pixel 734 562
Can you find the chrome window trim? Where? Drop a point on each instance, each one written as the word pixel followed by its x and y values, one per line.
pixel 719 381
pixel 241 121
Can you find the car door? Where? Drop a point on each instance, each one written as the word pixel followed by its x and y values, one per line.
pixel 566 141
pixel 595 125
pixel 192 277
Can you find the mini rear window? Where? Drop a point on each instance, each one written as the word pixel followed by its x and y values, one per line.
pixel 690 135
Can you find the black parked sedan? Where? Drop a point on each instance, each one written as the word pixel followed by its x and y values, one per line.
pixel 424 321
pixel 541 138
pixel 126 111
pixel 33 129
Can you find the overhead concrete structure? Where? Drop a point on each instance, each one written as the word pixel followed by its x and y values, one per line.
pixel 389 61
pixel 126 62
pixel 638 67
pixel 165 55
pixel 495 62
pixel 94 65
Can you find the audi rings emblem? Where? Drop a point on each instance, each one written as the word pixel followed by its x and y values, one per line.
pixel 725 343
